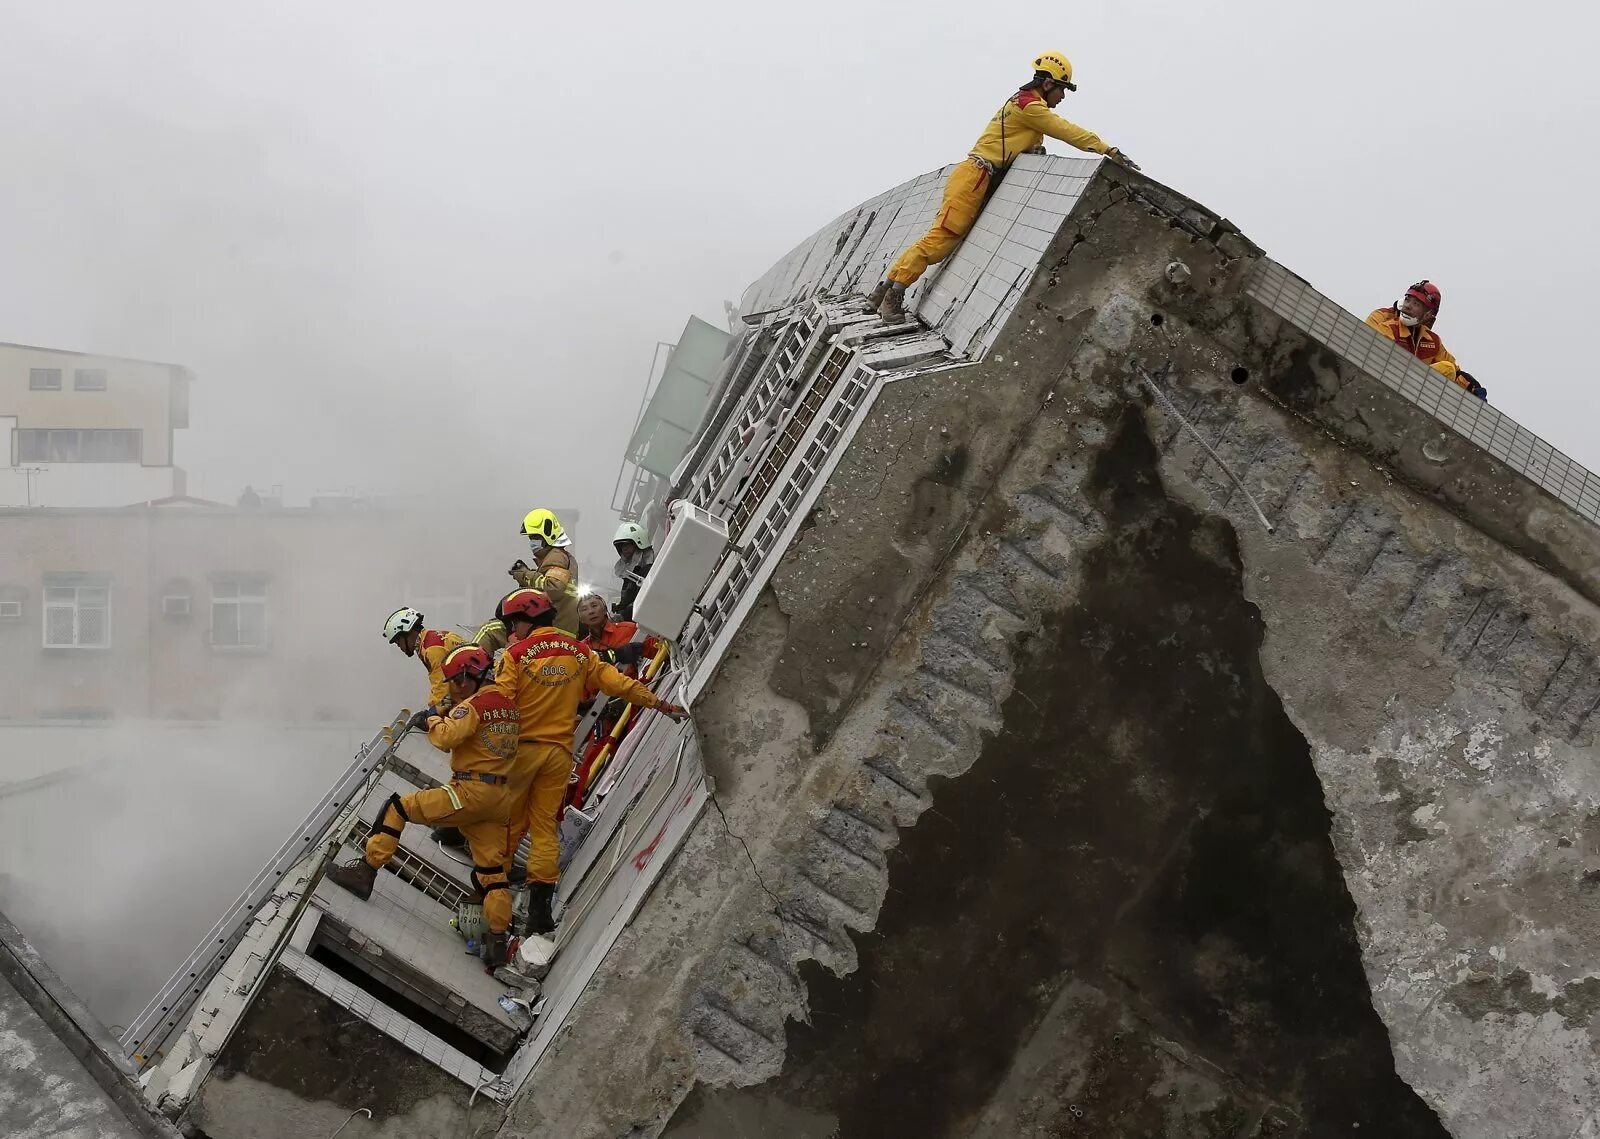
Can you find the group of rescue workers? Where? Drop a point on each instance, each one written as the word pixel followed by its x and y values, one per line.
pixel 1019 127
pixel 506 708
pixel 506 705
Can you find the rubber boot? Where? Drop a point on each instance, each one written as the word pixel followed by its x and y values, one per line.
pixel 892 309
pixel 875 297
pixel 494 950
pixel 541 895
pixel 357 877
pixel 449 836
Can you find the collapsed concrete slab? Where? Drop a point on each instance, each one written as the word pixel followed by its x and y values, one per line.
pixel 1175 718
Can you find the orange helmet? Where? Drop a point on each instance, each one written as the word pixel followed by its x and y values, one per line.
pixel 527 605
pixel 468 660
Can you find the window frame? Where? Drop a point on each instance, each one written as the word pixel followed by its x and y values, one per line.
pixel 77 584
pixel 78 375
pixel 34 373
pixel 239 602
pixel 37 445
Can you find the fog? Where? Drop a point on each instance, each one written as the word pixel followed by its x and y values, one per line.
pixel 413 248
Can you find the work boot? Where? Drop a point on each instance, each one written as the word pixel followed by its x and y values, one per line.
pixel 494 950
pixel 875 297
pixel 449 836
pixel 540 897
pixel 892 309
pixel 357 877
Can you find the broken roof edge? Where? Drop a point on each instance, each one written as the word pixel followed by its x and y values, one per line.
pixel 71 1022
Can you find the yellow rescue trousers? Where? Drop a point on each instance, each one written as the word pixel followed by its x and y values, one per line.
pixel 964 193
pixel 538 788
pixel 480 812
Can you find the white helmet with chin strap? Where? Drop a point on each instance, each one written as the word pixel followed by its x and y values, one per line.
pixel 403 620
pixel 631 532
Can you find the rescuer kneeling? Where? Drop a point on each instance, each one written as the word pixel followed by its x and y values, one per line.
pixel 548 672
pixel 480 733
pixel 1020 125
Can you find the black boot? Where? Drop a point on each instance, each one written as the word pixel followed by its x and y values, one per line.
pixel 357 877
pixel 494 950
pixel 449 836
pixel 540 897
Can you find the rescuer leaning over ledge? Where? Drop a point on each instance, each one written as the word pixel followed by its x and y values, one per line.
pixel 1020 125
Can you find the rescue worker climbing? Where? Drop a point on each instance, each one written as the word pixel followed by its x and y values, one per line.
pixel 480 733
pixel 1020 125
pixel 405 631
pixel 555 568
pixel 547 671
pixel 493 635
pixel 618 643
pixel 634 559
pixel 1409 323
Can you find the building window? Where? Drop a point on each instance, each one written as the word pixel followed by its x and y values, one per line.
pixel 88 380
pixel 44 379
pixel 239 613
pixel 75 445
pixel 77 612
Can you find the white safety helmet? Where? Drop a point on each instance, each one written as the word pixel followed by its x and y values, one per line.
pixel 631 532
pixel 402 620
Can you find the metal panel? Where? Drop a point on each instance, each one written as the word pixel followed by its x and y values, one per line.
pixel 680 398
pixel 1468 416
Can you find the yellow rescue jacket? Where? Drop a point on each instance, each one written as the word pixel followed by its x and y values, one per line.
pixel 556 576
pixel 433 647
pixel 548 673
pixel 1419 340
pixel 480 733
pixel 1022 123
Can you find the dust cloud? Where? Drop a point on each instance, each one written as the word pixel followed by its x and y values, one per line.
pixel 126 843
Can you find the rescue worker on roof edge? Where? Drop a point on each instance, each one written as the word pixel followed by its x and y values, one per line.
pixel 1020 125
pixel 1409 323
pixel 405 631
pixel 547 673
pixel 555 569
pixel 480 733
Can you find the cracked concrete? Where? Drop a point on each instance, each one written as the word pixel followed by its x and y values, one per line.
pixel 1081 804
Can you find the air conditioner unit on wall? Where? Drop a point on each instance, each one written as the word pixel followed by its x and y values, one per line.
pixel 10 610
pixel 683 565
pixel 175 605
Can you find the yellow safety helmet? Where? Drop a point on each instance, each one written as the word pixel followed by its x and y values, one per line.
pixel 542 523
pixel 1058 67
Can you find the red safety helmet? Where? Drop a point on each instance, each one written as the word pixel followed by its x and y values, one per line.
pixel 467 660
pixel 1427 294
pixel 527 605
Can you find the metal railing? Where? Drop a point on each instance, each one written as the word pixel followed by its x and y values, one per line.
pixel 1329 324
pixel 149 1032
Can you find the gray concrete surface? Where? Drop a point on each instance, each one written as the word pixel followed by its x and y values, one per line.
pixel 61 1074
pixel 1055 796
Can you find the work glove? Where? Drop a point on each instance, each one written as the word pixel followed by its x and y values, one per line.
pixel 628 654
pixel 1121 159
pixel 518 566
pixel 420 719
pixel 675 712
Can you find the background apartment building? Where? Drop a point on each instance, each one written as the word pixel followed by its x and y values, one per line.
pixel 180 609
pixel 86 430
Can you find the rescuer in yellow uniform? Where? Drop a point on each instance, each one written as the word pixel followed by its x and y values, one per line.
pixel 1020 125
pixel 555 569
pixel 1409 323
pixel 404 630
pixel 480 733
pixel 548 672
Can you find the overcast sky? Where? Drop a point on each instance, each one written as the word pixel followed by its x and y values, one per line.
pixel 408 245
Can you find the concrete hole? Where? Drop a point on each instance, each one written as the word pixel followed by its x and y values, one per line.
pixel 1157 319
pixel 1240 375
